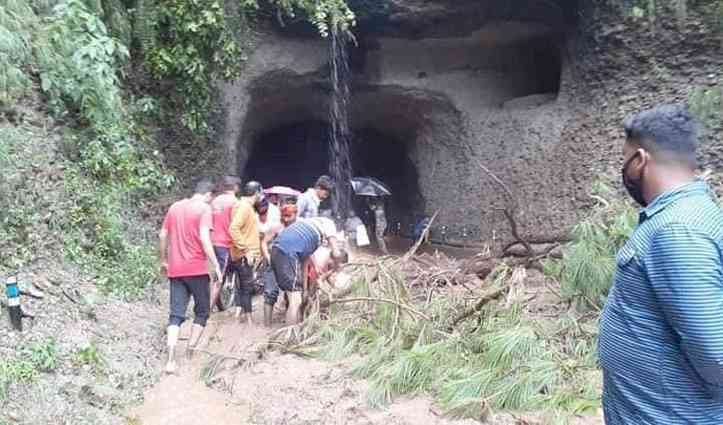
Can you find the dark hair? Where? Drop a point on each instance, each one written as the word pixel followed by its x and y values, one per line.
pixel 668 132
pixel 341 257
pixel 324 182
pixel 228 183
pixel 261 205
pixel 252 188
pixel 203 186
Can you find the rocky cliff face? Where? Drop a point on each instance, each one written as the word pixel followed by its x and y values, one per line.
pixel 534 91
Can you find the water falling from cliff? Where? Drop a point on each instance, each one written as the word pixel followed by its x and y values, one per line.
pixel 340 166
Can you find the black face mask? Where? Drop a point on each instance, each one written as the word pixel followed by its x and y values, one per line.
pixel 634 187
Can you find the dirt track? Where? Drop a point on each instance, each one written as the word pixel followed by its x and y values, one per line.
pixel 277 389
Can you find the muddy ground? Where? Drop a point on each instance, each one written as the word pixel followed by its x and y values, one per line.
pixel 278 389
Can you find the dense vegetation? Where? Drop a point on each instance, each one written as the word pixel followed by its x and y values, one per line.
pixel 103 163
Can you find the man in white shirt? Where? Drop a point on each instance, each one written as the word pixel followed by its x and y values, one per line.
pixel 309 201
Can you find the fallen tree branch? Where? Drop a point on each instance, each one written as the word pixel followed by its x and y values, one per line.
pixel 511 205
pixel 382 300
pixel 418 243
pixel 492 295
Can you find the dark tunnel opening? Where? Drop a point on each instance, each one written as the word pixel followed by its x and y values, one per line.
pixel 295 155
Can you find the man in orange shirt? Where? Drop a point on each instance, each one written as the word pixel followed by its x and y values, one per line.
pixel 222 207
pixel 245 247
pixel 186 250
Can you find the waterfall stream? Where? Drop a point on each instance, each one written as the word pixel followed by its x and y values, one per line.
pixel 340 166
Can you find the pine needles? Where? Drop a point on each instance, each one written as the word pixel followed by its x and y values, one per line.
pixel 586 271
pixel 502 361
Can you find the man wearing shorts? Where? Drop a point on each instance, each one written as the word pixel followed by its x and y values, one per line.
pixel 186 250
pixel 292 249
pixel 271 288
pixel 222 207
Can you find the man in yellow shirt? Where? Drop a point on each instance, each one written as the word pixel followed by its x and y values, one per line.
pixel 245 247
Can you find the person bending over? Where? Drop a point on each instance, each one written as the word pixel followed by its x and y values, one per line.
pixel 319 268
pixel 186 251
pixel 271 287
pixel 290 251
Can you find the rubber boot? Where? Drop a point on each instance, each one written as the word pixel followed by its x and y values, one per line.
pixel 268 314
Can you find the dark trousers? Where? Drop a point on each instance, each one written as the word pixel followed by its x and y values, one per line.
pixel 182 288
pixel 271 287
pixel 287 270
pixel 222 255
pixel 244 283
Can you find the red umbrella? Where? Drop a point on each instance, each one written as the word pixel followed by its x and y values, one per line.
pixel 282 191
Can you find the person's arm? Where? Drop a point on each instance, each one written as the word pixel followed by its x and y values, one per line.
pixel 685 272
pixel 236 231
pixel 163 246
pixel 266 241
pixel 206 226
pixel 302 204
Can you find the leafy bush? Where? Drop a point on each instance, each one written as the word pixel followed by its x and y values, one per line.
pixel 80 63
pixel 197 43
pixel 586 271
pixel 43 355
pixel 17 21
pixel 90 355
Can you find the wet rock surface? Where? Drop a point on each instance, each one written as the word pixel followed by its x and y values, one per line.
pixel 538 98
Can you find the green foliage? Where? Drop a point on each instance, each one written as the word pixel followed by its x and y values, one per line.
pixel 504 361
pixel 98 237
pixel 586 271
pixel 24 202
pixel 15 372
pixel 706 103
pixel 17 22
pixel 43 355
pixel 90 355
pixel 80 64
pixel 197 43
pixel 109 161
pixel 196 48
pixel 36 358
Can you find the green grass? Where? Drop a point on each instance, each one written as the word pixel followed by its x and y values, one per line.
pixel 34 359
pixel 90 355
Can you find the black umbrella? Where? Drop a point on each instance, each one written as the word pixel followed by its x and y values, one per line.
pixel 369 186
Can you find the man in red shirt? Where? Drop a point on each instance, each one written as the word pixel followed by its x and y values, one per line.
pixel 186 249
pixel 222 207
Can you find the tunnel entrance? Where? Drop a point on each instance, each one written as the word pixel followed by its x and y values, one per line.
pixel 293 155
pixel 296 154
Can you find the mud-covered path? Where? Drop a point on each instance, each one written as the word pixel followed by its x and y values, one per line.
pixel 278 389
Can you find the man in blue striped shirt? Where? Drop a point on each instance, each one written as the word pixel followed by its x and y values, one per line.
pixel 661 333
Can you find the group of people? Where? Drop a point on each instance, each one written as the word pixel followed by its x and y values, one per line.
pixel 229 233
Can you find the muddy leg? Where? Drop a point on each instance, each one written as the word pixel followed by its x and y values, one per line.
pixel 173 332
pixel 293 314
